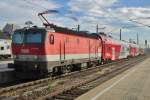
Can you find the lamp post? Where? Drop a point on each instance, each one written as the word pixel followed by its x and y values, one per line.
pixel 97 28
pixel 120 33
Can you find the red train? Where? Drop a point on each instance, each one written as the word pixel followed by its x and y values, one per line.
pixel 38 51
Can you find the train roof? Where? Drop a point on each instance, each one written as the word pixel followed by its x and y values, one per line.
pixel 61 30
pixel 71 32
pixel 30 29
pixel 109 39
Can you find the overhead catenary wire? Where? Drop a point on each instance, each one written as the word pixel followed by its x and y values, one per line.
pixel 139 23
pixel 38 5
pixel 128 19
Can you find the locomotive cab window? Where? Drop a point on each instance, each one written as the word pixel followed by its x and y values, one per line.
pixel 28 36
pixel 51 39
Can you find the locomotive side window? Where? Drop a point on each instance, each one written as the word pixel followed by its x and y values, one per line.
pixel 78 41
pixel 51 39
pixel 67 40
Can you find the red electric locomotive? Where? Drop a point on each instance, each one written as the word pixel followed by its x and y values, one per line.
pixel 43 50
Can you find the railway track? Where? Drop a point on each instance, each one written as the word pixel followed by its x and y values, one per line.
pixel 52 88
pixel 76 91
pixel 23 83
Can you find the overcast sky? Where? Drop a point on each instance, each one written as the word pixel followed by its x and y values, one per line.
pixel 112 14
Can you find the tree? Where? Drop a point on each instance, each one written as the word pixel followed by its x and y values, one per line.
pixel 1 34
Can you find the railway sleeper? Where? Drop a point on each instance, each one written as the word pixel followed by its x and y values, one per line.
pixel 73 92
pixel 63 97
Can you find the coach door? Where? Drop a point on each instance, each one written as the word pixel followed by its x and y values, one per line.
pixel 89 49
pixel 62 51
pixel 113 53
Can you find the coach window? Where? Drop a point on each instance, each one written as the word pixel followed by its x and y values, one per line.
pixel 123 49
pixel 2 48
pixel 51 39
pixel 108 48
pixel 8 47
pixel 128 49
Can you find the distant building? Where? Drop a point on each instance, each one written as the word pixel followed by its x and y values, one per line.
pixel 9 29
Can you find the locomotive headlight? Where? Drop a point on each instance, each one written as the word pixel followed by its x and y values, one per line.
pixel 35 66
pixel 35 57
pixel 14 56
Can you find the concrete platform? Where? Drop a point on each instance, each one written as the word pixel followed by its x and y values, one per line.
pixel 133 84
pixel 6 62
pixel 6 74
